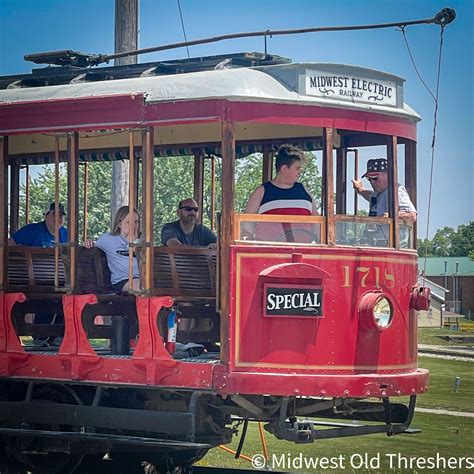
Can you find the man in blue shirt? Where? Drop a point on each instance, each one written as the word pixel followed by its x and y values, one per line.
pixel 41 234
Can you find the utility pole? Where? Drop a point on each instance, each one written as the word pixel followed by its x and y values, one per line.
pixel 126 39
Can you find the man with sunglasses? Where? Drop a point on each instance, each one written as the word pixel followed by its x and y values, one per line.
pixel 186 230
pixel 378 198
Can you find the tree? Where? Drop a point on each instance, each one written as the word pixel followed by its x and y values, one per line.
pixel 441 243
pixel 448 242
pixel 173 178
pixel 463 240
pixel 98 192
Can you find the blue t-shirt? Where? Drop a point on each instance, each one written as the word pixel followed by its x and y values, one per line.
pixel 38 235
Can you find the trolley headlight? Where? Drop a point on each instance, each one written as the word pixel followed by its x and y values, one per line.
pixel 382 312
pixel 375 311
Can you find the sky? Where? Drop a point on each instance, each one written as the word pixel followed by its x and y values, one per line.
pixel 28 26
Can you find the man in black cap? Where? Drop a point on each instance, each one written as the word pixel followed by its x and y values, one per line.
pixel 378 199
pixel 41 234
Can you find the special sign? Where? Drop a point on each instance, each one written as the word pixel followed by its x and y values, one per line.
pixel 351 88
pixel 287 300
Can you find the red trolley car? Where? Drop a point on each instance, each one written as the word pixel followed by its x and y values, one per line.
pixel 317 321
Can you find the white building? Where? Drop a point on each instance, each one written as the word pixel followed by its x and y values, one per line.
pixel 433 317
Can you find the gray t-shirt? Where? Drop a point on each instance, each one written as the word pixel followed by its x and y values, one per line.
pixel 379 204
pixel 115 248
pixel 201 236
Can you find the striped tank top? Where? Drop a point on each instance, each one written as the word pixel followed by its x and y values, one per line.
pixel 286 201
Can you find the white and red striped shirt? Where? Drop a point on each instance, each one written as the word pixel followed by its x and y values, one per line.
pixel 286 201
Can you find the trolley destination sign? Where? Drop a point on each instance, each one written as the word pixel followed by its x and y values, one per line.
pixel 288 300
pixel 350 87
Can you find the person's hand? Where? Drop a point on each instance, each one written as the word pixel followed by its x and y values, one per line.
pixel 407 217
pixel 88 243
pixel 358 186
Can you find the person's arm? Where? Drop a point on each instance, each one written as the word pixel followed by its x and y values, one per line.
pixel 62 235
pixel 409 217
pixel 24 236
pixel 407 210
pixel 254 201
pixel 314 207
pixel 169 236
pixel 359 187
pixel 88 243
pixel 209 237
pixel 253 205
pixel 101 242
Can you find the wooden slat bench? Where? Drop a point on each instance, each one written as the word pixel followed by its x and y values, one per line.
pixel 30 270
pixel 93 277
pixel 188 274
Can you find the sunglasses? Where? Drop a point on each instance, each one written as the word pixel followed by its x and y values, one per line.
pixel 190 208
pixel 375 178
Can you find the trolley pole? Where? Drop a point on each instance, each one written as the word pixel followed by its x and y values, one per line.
pixel 126 39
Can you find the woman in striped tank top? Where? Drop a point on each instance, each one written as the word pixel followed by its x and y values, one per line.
pixel 283 195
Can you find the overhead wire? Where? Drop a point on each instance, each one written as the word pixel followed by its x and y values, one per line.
pixel 414 64
pixel 182 25
pixel 433 141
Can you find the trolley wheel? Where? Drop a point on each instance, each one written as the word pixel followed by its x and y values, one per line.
pixel 37 458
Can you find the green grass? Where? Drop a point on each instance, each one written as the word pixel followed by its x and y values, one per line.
pixel 450 436
pixel 432 336
pixel 94 342
pixel 440 393
pixel 447 435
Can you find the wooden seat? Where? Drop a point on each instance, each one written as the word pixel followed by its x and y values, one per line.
pixel 186 273
pixel 31 270
pixel 92 272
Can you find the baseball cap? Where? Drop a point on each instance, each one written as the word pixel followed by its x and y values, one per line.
pixel 51 208
pixel 377 165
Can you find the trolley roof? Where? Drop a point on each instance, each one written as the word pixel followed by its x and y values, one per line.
pixel 324 84
pixel 269 100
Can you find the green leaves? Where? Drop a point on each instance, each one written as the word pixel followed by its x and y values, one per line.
pixel 173 177
pixel 448 242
